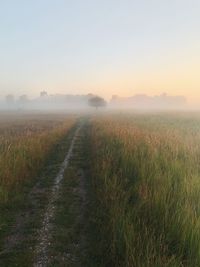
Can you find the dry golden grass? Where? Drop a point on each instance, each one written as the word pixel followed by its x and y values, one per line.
pixel 25 142
pixel 146 179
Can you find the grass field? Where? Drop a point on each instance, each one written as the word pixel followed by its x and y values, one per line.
pixel 25 142
pixel 129 198
pixel 146 181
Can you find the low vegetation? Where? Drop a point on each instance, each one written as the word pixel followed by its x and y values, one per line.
pixel 33 146
pixel 146 184
pixel 25 143
pixel 129 198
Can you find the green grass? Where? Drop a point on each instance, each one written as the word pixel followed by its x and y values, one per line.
pixel 25 209
pixel 65 245
pixel 146 183
pixel 142 180
pixel 71 241
pixel 24 147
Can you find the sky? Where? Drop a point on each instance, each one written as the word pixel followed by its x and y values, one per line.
pixel 106 47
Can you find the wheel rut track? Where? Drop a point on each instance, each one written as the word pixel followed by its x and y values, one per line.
pixel 44 235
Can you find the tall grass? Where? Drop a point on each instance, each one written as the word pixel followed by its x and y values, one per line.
pixel 24 147
pixel 146 181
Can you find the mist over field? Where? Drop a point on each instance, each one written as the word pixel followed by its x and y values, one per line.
pixel 99 133
pixel 81 102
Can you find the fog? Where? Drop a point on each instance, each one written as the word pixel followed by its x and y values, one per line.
pixel 46 102
pixel 81 102
pixel 145 102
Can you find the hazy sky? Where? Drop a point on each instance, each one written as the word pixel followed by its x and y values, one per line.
pixel 101 46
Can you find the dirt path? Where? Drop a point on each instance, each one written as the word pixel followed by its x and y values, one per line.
pixel 44 236
pixel 52 226
pixel 69 242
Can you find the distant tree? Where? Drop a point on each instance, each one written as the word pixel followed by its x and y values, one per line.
pixel 10 99
pixel 97 102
